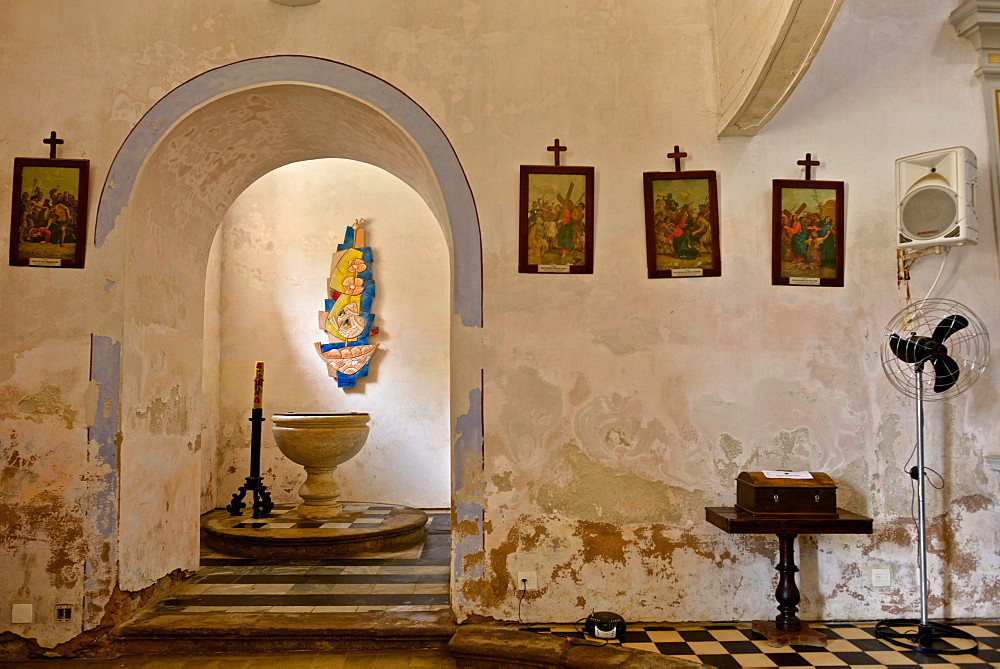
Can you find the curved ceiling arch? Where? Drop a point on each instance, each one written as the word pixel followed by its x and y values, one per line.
pixel 762 51
pixel 219 132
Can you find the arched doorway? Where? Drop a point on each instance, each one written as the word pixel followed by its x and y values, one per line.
pixel 178 172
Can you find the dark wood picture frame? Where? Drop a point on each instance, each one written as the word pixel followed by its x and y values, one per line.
pixel 48 222
pixel 807 233
pixel 556 220
pixel 682 224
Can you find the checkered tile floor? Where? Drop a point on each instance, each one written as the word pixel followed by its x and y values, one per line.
pixel 355 516
pixel 412 580
pixel 732 646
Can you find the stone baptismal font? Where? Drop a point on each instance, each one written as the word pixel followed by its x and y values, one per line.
pixel 320 443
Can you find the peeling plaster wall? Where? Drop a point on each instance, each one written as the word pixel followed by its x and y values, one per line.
pixel 276 243
pixel 614 407
pixel 646 413
pixel 59 492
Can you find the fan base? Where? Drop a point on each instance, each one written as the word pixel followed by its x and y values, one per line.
pixel 929 638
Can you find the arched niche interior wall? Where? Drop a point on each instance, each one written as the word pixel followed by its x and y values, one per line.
pixel 268 271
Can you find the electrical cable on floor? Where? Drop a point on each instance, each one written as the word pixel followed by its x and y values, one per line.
pixel 528 627
pixel 539 628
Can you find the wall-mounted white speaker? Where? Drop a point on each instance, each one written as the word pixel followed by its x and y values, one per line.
pixel 935 196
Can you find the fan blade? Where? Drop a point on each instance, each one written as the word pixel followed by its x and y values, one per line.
pixel 949 326
pixel 912 350
pixel 945 373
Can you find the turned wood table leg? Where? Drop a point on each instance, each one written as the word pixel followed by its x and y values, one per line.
pixel 786 628
pixel 787 592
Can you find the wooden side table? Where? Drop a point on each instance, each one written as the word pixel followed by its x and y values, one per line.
pixel 786 628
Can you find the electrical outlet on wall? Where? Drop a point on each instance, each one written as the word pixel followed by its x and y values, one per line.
pixel 881 578
pixel 527 580
pixel 22 614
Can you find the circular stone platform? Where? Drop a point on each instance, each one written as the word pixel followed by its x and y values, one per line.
pixel 364 528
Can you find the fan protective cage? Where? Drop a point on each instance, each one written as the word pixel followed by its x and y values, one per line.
pixel 969 347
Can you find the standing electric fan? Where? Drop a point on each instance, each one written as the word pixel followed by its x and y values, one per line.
pixel 954 341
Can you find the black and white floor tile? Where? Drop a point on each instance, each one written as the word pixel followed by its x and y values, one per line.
pixel 730 646
pixel 356 515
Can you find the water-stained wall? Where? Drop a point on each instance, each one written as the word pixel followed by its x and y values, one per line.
pixel 613 407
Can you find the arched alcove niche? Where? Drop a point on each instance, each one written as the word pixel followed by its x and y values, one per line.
pixel 272 258
pixel 175 177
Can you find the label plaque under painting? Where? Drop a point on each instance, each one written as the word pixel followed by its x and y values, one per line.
pixel 553 269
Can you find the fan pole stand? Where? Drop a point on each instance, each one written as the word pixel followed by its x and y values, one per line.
pixel 929 637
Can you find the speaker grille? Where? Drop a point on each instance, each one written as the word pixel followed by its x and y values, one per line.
pixel 929 212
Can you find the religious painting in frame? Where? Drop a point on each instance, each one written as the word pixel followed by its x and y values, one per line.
pixel 48 225
pixel 556 220
pixel 808 233
pixel 682 224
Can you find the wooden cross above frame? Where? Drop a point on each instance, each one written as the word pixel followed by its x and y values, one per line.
pixel 809 164
pixel 53 142
pixel 557 149
pixel 677 155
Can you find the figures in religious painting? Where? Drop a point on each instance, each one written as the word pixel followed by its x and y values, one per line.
pixel 47 220
pixel 808 234
pixel 683 231
pixel 557 225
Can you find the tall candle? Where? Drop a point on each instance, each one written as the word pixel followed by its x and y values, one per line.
pixel 258 387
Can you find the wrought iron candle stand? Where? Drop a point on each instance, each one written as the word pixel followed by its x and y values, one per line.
pixel 262 503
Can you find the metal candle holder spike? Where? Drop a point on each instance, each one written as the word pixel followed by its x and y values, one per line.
pixel 262 503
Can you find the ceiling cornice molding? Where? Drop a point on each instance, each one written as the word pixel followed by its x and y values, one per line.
pixel 989 72
pixel 979 22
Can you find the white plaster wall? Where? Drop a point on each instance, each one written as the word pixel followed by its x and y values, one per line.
pixel 275 245
pixel 615 407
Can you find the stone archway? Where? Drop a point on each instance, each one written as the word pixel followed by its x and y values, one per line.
pixel 178 171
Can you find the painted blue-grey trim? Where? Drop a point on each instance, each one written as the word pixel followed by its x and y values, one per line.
pixel 468 437
pixel 468 450
pixel 105 370
pixel 461 208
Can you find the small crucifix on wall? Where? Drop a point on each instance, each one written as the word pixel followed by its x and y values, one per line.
pixel 809 163
pixel 557 149
pixel 53 142
pixel 677 154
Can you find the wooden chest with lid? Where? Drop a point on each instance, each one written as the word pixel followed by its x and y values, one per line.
pixel 763 495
